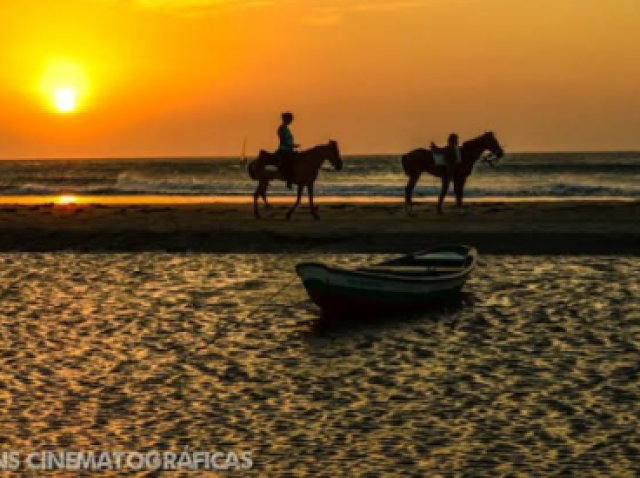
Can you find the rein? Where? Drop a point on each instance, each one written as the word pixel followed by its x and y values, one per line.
pixel 491 159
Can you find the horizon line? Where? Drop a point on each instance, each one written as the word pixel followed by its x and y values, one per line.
pixel 352 155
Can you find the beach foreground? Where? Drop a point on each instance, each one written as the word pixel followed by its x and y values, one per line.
pixel 543 227
pixel 534 373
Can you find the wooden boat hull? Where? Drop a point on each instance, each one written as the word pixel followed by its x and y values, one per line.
pixel 337 291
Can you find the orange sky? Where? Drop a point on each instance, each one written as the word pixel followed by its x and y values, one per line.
pixel 195 77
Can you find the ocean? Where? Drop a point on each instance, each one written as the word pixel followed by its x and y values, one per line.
pixel 526 175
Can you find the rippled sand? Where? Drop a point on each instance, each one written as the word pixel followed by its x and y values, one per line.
pixel 535 374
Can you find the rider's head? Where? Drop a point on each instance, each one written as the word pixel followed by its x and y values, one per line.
pixel 454 140
pixel 287 118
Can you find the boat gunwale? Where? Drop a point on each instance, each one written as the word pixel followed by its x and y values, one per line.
pixel 472 254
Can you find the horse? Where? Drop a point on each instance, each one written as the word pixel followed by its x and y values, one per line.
pixel 422 161
pixel 305 171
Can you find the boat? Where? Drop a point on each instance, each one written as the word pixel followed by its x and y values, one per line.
pixel 414 282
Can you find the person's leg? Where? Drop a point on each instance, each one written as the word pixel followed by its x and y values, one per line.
pixel 283 166
pixel 289 164
pixel 451 162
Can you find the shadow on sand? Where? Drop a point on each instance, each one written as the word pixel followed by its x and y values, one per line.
pixel 445 313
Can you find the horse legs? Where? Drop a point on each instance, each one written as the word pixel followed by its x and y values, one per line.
pixel 408 194
pixel 256 195
pixel 311 205
pixel 295 206
pixel 443 193
pixel 458 186
pixel 263 194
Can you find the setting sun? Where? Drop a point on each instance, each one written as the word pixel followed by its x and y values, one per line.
pixel 65 100
pixel 64 84
pixel 67 200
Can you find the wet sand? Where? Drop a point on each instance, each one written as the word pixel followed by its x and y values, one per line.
pixel 535 373
pixel 545 227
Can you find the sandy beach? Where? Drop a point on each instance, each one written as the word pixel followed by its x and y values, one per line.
pixel 520 227
pixel 534 374
pixel 168 324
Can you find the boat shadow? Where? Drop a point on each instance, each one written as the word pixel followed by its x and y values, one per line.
pixel 444 313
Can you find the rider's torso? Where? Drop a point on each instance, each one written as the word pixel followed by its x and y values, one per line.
pixel 286 139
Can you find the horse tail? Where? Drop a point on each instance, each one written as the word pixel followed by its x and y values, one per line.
pixel 405 164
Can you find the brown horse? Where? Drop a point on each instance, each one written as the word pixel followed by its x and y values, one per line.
pixel 421 161
pixel 305 173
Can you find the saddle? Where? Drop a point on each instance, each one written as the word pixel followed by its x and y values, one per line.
pixel 268 161
pixel 272 162
pixel 440 156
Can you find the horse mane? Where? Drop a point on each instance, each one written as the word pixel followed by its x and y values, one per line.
pixel 477 139
pixel 316 148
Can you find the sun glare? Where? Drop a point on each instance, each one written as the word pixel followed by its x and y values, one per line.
pixel 65 100
pixel 65 85
pixel 67 200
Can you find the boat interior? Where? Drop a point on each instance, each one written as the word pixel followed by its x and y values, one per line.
pixel 441 263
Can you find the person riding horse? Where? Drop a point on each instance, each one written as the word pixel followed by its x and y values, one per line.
pixel 451 152
pixel 459 160
pixel 287 149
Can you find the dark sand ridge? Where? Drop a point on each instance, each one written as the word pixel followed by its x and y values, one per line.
pixel 560 227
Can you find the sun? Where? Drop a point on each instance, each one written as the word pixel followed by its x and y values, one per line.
pixel 65 100
pixel 65 85
pixel 67 200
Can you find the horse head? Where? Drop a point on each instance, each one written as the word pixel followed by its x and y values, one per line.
pixel 334 157
pixel 491 144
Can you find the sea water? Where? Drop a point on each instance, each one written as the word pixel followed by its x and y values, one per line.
pixel 532 175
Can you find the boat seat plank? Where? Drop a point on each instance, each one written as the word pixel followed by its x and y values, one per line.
pixel 410 269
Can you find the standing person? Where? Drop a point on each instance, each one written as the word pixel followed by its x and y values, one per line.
pixel 452 153
pixel 287 149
